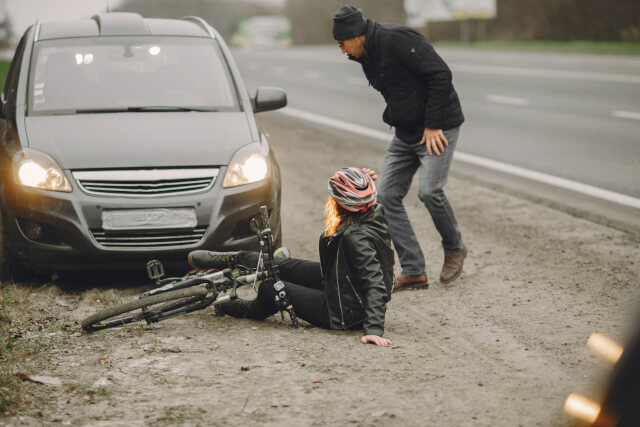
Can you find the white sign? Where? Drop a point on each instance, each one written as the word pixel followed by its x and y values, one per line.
pixel 419 12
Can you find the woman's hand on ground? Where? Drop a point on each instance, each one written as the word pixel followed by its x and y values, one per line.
pixel 371 173
pixel 374 339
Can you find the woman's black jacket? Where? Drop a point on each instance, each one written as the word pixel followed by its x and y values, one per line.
pixel 357 272
pixel 414 81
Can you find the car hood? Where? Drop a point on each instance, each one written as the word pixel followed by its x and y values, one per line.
pixel 121 140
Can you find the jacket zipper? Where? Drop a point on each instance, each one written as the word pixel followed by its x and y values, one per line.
pixel 355 293
pixel 338 285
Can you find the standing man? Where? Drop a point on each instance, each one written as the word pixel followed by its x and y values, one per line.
pixel 425 110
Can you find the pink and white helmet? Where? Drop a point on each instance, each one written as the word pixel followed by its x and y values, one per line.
pixel 353 189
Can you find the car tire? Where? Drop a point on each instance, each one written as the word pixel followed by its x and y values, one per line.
pixel 10 269
pixel 5 256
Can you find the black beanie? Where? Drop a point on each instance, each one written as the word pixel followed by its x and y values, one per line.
pixel 348 23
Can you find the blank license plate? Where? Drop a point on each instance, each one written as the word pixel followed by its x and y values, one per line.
pixel 148 219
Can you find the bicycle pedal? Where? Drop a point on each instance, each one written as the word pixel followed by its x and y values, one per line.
pixel 155 270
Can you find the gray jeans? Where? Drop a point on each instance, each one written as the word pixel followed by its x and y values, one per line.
pixel 400 165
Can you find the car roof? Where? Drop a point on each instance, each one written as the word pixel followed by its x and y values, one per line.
pixel 122 24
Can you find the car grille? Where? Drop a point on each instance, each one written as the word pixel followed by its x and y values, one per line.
pixel 146 182
pixel 144 239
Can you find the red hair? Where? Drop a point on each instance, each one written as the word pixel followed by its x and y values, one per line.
pixel 334 215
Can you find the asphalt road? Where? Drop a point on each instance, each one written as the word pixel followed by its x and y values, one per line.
pixel 573 116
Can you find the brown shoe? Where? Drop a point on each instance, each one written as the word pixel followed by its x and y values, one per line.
pixel 404 282
pixel 453 266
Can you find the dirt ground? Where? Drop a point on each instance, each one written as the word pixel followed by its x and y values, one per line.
pixel 501 346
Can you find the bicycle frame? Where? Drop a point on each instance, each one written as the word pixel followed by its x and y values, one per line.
pixel 218 281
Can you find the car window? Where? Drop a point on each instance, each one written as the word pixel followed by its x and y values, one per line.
pixel 113 73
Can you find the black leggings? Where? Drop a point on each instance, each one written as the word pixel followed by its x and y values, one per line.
pixel 303 282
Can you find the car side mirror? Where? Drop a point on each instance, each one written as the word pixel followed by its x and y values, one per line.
pixel 269 98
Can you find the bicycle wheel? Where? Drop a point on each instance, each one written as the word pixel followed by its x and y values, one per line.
pixel 125 313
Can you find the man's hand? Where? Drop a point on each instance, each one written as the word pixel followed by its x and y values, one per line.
pixel 435 141
pixel 371 173
pixel 374 339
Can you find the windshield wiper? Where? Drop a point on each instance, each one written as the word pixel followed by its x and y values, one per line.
pixel 101 110
pixel 170 108
pixel 153 108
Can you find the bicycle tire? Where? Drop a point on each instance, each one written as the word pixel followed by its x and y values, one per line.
pixel 108 317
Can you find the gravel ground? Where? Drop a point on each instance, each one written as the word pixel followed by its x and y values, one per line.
pixel 501 346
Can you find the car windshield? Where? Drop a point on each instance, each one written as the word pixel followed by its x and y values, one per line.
pixel 110 74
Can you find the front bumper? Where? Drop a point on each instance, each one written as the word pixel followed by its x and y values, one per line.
pixel 70 222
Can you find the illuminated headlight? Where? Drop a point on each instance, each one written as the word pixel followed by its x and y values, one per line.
pixel 38 170
pixel 249 164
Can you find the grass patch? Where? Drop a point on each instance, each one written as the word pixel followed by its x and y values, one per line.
pixel 8 382
pixel 4 70
pixel 14 348
pixel 31 327
pixel 623 48
pixel 89 392
pixel 9 385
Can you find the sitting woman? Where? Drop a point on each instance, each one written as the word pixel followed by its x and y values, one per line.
pixel 350 287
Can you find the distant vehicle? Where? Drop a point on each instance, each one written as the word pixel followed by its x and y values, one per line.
pixel 124 139
pixel 262 31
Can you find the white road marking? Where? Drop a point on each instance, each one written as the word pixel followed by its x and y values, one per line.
pixel 544 73
pixel 552 180
pixel 626 114
pixel 337 124
pixel 509 100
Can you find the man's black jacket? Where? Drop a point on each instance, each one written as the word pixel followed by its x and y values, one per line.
pixel 414 81
pixel 357 272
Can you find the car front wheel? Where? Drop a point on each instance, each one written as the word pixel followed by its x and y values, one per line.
pixel 9 268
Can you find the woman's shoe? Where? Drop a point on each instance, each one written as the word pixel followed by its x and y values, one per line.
pixel 237 308
pixel 206 260
pixel 281 253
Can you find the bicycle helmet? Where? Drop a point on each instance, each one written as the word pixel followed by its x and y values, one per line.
pixel 353 189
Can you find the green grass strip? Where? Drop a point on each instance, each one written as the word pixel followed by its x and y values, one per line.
pixel 4 70
pixel 622 48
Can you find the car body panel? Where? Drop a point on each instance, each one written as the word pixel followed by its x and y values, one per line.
pixel 106 27
pixel 197 138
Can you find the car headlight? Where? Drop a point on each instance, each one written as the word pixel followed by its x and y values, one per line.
pixel 249 164
pixel 38 170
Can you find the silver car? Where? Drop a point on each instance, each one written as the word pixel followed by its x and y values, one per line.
pixel 124 138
